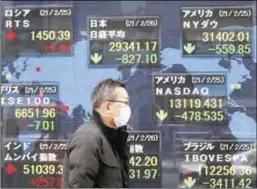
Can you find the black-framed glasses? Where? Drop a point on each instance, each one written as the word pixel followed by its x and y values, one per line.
pixel 125 102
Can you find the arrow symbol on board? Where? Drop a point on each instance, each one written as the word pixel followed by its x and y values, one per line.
pixel 189 48
pixel 96 58
pixel 189 182
pixel 162 115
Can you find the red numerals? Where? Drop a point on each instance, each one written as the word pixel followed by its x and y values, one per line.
pixel 46 182
pixel 49 48
pixel 64 47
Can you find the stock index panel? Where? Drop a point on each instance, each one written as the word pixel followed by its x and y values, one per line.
pixel 195 98
pixel 124 41
pixel 31 105
pixel 213 161
pixel 40 168
pixel 31 30
pixel 145 160
pixel 212 31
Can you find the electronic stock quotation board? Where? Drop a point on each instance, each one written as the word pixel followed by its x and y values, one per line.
pixel 179 98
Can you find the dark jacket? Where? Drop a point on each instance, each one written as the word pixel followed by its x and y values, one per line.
pixel 96 157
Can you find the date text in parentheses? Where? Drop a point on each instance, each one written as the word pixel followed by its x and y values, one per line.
pixel 43 12
pixel 28 90
pixel 235 13
pixel 223 147
pixel 129 23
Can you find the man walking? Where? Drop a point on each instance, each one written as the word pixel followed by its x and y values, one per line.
pixel 96 155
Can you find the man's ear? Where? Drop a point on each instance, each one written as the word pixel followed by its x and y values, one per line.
pixel 108 107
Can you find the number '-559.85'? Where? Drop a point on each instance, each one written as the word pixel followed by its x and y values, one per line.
pixel 225 49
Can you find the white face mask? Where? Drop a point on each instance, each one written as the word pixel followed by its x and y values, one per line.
pixel 124 117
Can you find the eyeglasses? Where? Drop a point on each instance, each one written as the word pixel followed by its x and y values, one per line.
pixel 125 102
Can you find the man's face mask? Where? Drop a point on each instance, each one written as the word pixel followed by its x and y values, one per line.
pixel 121 113
pixel 125 113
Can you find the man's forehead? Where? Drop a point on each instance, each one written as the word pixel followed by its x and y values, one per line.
pixel 121 92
